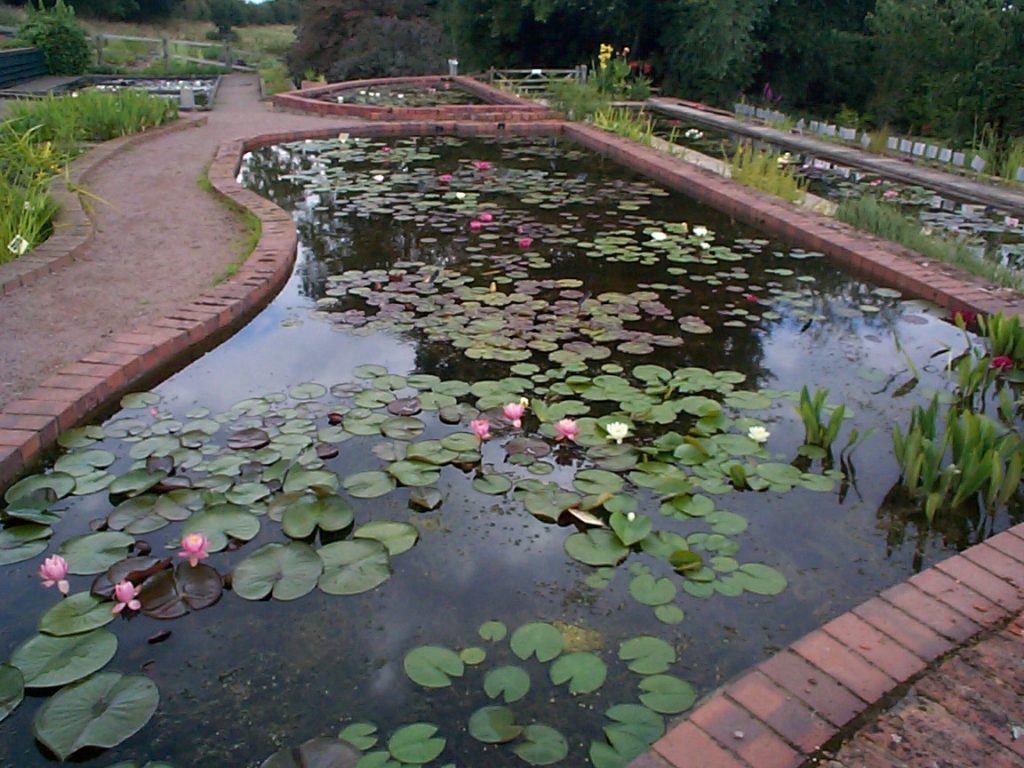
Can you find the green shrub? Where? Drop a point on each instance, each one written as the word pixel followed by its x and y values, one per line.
pixel 578 101
pixel 886 221
pixel 57 34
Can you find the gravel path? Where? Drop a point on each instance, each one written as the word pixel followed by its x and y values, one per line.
pixel 160 241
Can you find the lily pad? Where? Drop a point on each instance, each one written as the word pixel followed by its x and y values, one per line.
pixel 23 542
pixel 416 744
pixel 396 537
pixel 172 593
pixel 666 694
pixel 221 522
pixel 584 671
pixel 95 552
pixel 12 689
pixel 494 725
pixel 494 631
pixel 285 571
pixel 537 639
pixel 433 666
pixel 596 547
pixel 541 745
pixel 648 590
pixel 369 485
pixel 630 531
pixel 47 661
pixel 329 513
pixel 760 579
pixel 647 655
pixel 351 567
pixel 82 612
pixel 101 711
pixel 362 736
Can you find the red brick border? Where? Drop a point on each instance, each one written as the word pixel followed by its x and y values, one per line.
pixel 73 228
pixel 781 712
pixel 499 105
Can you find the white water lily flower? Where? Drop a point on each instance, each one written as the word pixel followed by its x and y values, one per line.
pixel 631 516
pixel 700 231
pixel 705 246
pixel 617 431
pixel 758 434
pixel 342 137
pixel 656 235
pixel 379 177
pixel 460 195
pixel 524 401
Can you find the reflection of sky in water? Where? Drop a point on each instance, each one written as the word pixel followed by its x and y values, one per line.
pixel 241 679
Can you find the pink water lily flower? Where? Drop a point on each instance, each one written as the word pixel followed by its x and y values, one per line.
pixel 385 149
pixel 486 218
pixel 481 165
pixel 476 226
pixel 567 429
pixel 525 242
pixel 514 413
pixel 53 572
pixel 125 594
pixel 481 428
pixel 889 194
pixel 1001 363
pixel 193 548
pixel 444 178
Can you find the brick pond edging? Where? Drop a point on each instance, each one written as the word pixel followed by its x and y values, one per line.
pixel 499 105
pixel 72 228
pixel 781 712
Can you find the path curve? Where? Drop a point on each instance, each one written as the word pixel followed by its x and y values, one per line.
pixel 160 241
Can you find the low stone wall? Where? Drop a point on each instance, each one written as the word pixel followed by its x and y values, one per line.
pixel 500 105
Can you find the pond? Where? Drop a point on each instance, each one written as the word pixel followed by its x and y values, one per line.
pixel 996 234
pixel 403 95
pixel 410 567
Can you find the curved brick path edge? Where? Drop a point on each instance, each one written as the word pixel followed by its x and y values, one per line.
pixel 774 716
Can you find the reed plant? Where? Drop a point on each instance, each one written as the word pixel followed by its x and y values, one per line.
pixel 633 124
pixel 763 171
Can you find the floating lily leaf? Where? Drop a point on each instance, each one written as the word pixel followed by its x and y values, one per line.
pixel 351 567
pixel 511 683
pixel 494 725
pixel 597 481
pixel 666 694
pixel 585 672
pixel 171 594
pixel 425 498
pixel 135 482
pixel 378 759
pixel 329 513
pixel 135 400
pixel 647 655
pixel 413 473
pixel 318 480
pixel 101 711
pixel 396 537
pixel 287 571
pixel 369 485
pixel 492 484
pixel 95 552
pixel 641 722
pixel 630 531
pixel 541 745
pixel 596 547
pixel 433 666
pixel 222 521
pixel 47 661
pixel 362 736
pixel 53 487
pixel 12 689
pixel 402 428
pixel 416 744
pixel 321 752
pixel 494 631
pixel 308 391
pixel 537 638
pixel 760 579
pixel 82 612
pixel 23 542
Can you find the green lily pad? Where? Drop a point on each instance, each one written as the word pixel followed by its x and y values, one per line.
pixel 221 522
pixel 494 631
pixel 647 655
pixel 173 593
pixel 402 428
pixel 81 612
pixel 329 513
pixel 362 736
pixel 135 482
pixel 396 537
pixel 596 547
pixel 23 542
pixel 414 474
pixel 100 711
pixel 12 689
pixel 537 638
pixel 760 579
pixel 636 719
pixel 318 480
pixel 509 682
pixel 492 484
pixel 597 481
pixel 584 671
pixel 54 486
pixel 351 567
pixel 369 485
pixel 47 661
pixel 630 531
pixel 416 744
pixel 494 725
pixel 433 666
pixel 666 694
pixel 648 590
pixel 286 571
pixel 541 745
pixel 95 552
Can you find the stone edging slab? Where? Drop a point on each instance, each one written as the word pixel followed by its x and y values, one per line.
pixel 781 712
pixel 500 105
pixel 72 228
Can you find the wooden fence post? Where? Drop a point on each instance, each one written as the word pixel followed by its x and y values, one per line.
pixel 99 50
pixel 166 51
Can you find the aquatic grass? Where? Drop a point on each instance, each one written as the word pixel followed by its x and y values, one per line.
pixel 630 123
pixel 92 115
pixel 763 171
pixel 886 221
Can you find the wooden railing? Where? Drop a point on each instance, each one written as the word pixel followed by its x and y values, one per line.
pixel 168 48
pixel 535 81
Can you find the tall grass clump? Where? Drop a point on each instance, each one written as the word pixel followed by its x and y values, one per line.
pixel 886 221
pixel 631 123
pixel 26 209
pixel 763 171
pixel 91 115
pixel 578 101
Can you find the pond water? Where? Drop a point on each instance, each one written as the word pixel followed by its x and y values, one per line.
pixel 995 233
pixel 404 95
pixel 439 278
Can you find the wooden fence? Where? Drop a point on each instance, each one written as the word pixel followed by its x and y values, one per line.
pixel 532 80
pixel 168 48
